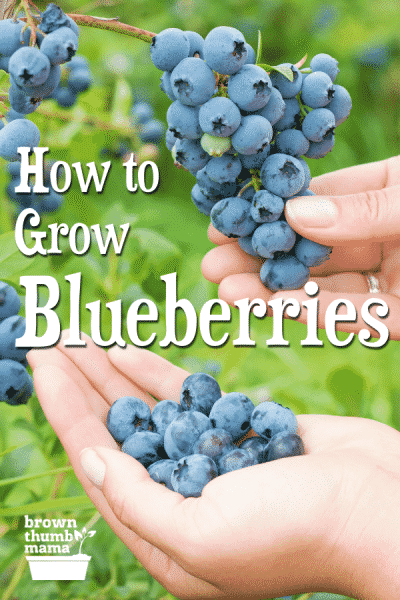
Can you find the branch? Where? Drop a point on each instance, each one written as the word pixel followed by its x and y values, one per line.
pixel 113 25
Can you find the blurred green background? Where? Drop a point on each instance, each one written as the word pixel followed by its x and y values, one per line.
pixel 168 234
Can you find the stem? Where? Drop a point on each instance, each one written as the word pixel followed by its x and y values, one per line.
pixel 29 21
pixel 88 120
pixel 16 578
pixel 113 25
pixel 250 184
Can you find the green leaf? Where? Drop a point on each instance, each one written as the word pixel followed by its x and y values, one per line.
pixel 11 449
pixel 285 71
pixel 306 70
pixel 259 48
pixel 15 480
pixel 53 505
pixel 12 261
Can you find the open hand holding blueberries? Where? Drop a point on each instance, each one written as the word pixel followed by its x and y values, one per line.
pixel 325 520
pixel 355 210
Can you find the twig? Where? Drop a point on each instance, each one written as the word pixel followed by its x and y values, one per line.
pixel 113 25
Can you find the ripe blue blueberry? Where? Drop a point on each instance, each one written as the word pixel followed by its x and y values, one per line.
pixel 284 273
pixel 199 392
pixel 214 443
pixel 282 175
pixel 11 329
pixel 10 36
pixel 203 203
pixel 232 413
pixel 80 80
pixel 253 135
pixel 161 471
pixel 141 113
pixel 165 85
pixel 317 124
pixel 291 116
pixel 60 45
pixel 293 142
pixel 273 237
pixel 266 207
pixel 288 89
pixel 225 50
pixel 245 243
pixel 192 474
pixel 325 63
pixel 163 414
pixel 126 416
pixel 340 104
pixel 211 188
pixel 231 216
pixel 251 55
pixel 20 102
pixel 224 169
pixel 183 121
pixel 310 253
pixel 284 445
pixel 29 67
pixel 145 446
pixel 168 48
pixel 257 446
pixel 275 108
pixel 220 117
pixel 16 385
pixel 235 460
pixel 250 88
pixel 190 154
pixel 183 432
pixel 196 43
pixel 317 90
pixel 9 301
pixel 152 132
pixel 255 161
pixel 270 418
pixel 193 82
pixel 321 149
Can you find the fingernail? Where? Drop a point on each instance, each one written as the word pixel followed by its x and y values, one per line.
pixel 93 466
pixel 312 212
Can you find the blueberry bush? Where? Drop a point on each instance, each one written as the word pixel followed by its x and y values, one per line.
pixel 106 107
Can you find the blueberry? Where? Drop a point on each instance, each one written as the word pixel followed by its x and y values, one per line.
pixel 310 253
pixel 49 202
pixel 22 103
pixel 325 63
pixel 275 108
pixel 245 243
pixel 196 43
pixel 126 416
pixel 163 414
pixel 317 90
pixel 168 48
pixel 60 45
pixel 321 149
pixel 288 89
pixel 282 175
pixel 231 216
pixel 152 132
pixel 199 392
pixel 224 169
pixel 192 474
pixel 283 445
pixel 307 176
pixel 10 36
pixel 255 161
pixel 273 237
pixel 293 142
pixel 183 432
pixel 170 139
pixel 318 124
pixel 80 80
pixel 251 55
pixel 225 50
pixel 193 82
pixel 11 329
pixel 202 202
pixel 291 116
pixel 10 303
pixel 232 413
pixel 284 273
pixel 190 154
pixel 220 117
pixel 165 85
pixel 161 471
pixel 257 446
pixel 253 135
pixel 212 189
pixel 269 418
pixel 144 446
pixel 16 385
pixel 45 89
pixel 29 67
pixel 340 104
pixel 53 18
pixel 183 121
pixel 65 97
pixel 214 443
pixel 250 88
pixel 266 207
pixel 235 460
pixel 4 63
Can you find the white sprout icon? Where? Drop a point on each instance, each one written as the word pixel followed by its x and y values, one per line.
pixel 82 536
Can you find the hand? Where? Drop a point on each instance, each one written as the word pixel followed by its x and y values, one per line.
pixel 325 521
pixel 357 211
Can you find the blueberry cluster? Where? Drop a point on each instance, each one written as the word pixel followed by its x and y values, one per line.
pixel 78 79
pixel 42 203
pixel 35 72
pixel 16 385
pixel 243 133
pixel 184 446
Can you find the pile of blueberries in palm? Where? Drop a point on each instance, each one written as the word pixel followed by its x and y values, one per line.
pixel 185 445
pixel 35 72
pixel 16 385
pixel 243 133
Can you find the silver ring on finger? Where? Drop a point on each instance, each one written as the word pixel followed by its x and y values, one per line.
pixel 373 284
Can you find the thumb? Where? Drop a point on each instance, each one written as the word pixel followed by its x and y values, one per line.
pixel 332 220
